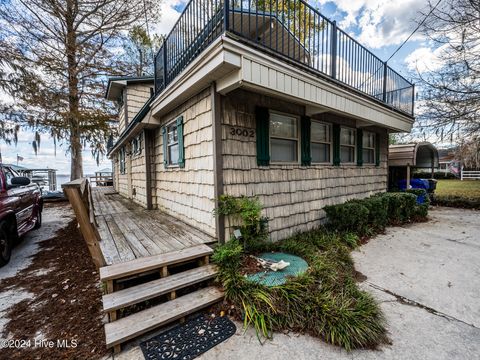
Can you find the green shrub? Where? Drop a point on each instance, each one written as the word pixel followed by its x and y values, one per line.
pixel 401 206
pixel 377 211
pixel 351 239
pixel 456 201
pixel 420 192
pixel 370 215
pixel 348 217
pixel 254 227
pixel 439 175
pixel 420 212
pixel 229 254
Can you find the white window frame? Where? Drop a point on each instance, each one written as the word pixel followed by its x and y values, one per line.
pixel 348 145
pixel 170 164
pixel 330 143
pixel 137 145
pixel 122 161
pixel 297 139
pixel 370 148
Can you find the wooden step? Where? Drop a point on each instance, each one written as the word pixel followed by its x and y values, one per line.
pixel 134 325
pixel 137 266
pixel 135 294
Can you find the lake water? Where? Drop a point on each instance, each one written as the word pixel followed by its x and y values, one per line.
pixel 63 178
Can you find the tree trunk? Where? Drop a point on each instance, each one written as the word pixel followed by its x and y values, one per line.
pixel 76 157
pixel 76 160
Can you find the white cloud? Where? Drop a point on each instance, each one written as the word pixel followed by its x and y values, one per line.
pixel 424 59
pixel 168 16
pixel 381 22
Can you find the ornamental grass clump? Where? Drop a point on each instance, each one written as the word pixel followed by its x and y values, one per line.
pixel 324 302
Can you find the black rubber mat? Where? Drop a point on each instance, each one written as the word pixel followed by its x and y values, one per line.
pixel 190 339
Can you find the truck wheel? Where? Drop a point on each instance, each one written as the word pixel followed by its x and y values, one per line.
pixel 5 244
pixel 38 222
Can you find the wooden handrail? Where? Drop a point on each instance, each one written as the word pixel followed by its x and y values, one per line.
pixel 79 195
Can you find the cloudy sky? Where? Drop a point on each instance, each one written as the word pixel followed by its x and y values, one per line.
pixel 380 25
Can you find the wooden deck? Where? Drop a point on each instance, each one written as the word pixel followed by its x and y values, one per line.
pixel 130 232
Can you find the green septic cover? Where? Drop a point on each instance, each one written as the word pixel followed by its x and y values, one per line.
pixel 273 278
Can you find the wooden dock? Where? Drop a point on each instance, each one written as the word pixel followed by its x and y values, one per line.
pixel 129 232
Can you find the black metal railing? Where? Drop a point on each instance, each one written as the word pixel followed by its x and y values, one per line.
pixel 290 29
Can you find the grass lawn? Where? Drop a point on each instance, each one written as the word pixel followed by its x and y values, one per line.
pixel 469 189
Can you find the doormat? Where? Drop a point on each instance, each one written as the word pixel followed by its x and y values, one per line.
pixel 189 340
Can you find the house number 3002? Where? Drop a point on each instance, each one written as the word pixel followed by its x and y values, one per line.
pixel 242 132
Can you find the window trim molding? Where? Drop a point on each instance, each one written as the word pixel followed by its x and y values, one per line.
pixel 122 155
pixel 138 138
pixel 374 148
pixel 167 156
pixel 330 132
pixel 297 139
pixel 354 146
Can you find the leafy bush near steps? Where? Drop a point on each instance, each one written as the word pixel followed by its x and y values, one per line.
pixel 254 227
pixel 370 215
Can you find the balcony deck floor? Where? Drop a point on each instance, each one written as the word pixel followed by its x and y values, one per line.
pixel 129 232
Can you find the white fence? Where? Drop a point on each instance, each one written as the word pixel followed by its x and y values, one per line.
pixel 469 175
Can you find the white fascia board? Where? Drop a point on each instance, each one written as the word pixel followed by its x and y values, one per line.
pixel 214 63
pixel 304 88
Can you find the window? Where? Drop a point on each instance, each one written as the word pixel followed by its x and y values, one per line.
pixel 320 142
pixel 283 138
pixel 137 145
pixel 121 160
pixel 368 147
pixel 347 145
pixel 172 144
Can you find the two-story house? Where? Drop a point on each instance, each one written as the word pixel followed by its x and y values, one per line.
pixel 273 101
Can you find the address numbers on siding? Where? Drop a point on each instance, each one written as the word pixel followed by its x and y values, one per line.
pixel 242 132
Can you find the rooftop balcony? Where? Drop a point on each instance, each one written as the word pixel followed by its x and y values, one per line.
pixel 289 30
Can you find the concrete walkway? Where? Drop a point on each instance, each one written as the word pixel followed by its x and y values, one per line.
pixel 427 278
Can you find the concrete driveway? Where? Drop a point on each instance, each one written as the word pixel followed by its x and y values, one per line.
pixel 426 277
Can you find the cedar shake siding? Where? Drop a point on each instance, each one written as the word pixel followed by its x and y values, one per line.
pixel 188 193
pixel 292 195
pixel 138 193
pixel 137 96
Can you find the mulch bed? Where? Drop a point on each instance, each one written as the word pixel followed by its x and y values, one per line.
pixel 66 305
pixel 250 265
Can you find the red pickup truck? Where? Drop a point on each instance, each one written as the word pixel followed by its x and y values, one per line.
pixel 20 209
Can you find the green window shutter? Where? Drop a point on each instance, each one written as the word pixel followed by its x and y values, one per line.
pixel 377 149
pixel 359 147
pixel 181 149
pixel 165 157
pixel 262 119
pixel 305 141
pixel 336 144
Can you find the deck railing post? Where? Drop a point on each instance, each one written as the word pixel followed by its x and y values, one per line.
pixel 333 51
pixel 165 63
pixel 413 99
pixel 76 191
pixel 155 78
pixel 226 15
pixel 385 74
